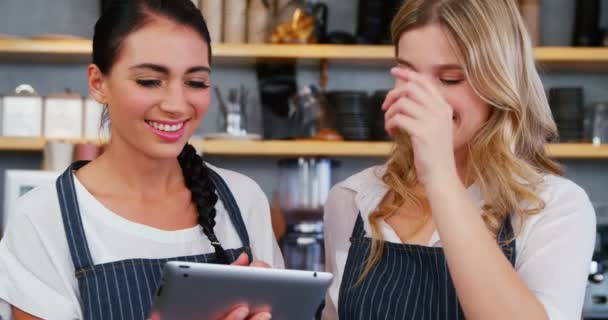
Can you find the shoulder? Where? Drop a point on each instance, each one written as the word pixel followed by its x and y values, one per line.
pixel 246 192
pixel 40 206
pixel 562 197
pixel 567 210
pixel 362 180
pixel 238 183
pixel 555 187
pixel 357 192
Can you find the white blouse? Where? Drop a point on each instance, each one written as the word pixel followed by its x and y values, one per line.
pixel 36 270
pixel 554 248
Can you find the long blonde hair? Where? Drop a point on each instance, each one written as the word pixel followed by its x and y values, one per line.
pixel 506 158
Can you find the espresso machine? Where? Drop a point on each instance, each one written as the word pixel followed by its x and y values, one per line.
pixel 596 296
pixel 303 187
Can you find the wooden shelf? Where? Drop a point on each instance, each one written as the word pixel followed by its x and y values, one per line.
pixel 285 148
pixel 361 149
pixel 22 144
pixel 281 148
pixel 578 151
pixel 79 51
pixel 52 51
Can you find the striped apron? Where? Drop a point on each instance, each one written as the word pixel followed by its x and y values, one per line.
pixel 125 289
pixel 409 281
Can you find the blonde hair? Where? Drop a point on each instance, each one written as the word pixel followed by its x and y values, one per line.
pixel 506 158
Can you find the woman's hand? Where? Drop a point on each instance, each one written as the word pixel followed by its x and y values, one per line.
pixel 243 260
pixel 243 312
pixel 240 312
pixel 417 107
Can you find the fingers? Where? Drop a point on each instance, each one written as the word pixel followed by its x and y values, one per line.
pixel 240 313
pixel 412 76
pixel 262 316
pixel 402 123
pixel 411 90
pixel 242 260
pixel 405 106
pixel 259 264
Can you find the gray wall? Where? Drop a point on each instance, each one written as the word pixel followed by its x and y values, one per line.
pixel 31 17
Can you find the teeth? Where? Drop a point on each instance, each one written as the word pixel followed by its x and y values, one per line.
pixel 165 127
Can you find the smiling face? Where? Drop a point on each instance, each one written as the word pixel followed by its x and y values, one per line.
pixel 157 90
pixel 427 50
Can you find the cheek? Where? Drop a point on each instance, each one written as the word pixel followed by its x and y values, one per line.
pixel 468 105
pixel 133 99
pixel 200 101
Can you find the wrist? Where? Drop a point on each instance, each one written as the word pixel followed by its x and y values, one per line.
pixel 442 179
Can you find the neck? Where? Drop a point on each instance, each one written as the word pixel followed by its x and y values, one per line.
pixel 461 156
pixel 131 172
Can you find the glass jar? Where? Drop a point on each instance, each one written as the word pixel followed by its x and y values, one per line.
pixel 303 247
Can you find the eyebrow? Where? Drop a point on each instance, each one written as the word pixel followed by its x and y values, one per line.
pixel 441 67
pixel 165 70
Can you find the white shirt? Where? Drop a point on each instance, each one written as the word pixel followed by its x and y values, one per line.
pixel 554 247
pixel 36 269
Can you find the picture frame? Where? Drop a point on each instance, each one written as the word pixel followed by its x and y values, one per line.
pixel 16 184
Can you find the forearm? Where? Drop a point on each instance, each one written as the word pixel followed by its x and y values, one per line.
pixel 488 287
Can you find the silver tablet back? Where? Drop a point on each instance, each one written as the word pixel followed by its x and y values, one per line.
pixel 208 291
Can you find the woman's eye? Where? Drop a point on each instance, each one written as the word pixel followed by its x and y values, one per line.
pixel 451 81
pixel 198 84
pixel 148 83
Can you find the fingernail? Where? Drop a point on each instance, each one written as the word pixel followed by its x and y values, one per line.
pixel 242 313
pixel 266 316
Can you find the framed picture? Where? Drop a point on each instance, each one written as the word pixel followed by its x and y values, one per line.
pixel 18 183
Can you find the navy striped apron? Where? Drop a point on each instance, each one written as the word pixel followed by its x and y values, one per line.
pixel 409 281
pixel 125 289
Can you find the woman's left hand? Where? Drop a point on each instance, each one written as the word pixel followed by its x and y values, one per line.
pixel 417 107
pixel 243 260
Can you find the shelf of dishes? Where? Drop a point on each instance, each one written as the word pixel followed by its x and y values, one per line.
pixel 295 148
pixel 79 51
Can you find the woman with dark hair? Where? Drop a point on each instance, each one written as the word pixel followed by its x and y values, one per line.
pixel 93 245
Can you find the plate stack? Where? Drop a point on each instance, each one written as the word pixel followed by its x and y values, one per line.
pixel 351 113
pixel 567 108
pixel 377 131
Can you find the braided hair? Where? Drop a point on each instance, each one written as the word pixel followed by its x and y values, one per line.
pixel 198 180
pixel 119 19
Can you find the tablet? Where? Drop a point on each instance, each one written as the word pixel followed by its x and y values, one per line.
pixel 207 291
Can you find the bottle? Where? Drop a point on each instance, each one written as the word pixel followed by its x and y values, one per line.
pixel 235 26
pixel 258 21
pixel 213 11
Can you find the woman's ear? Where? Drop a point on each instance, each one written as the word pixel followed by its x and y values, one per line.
pixel 97 84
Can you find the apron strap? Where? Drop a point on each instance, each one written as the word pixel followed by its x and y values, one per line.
pixel 506 239
pixel 231 206
pixel 72 222
pixel 358 230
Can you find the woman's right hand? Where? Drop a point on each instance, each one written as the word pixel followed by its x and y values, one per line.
pixel 239 312
pixel 243 261
pixel 242 312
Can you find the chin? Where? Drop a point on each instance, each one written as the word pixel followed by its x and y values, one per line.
pixel 166 151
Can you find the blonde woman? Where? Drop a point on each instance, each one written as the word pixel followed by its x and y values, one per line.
pixel 469 217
